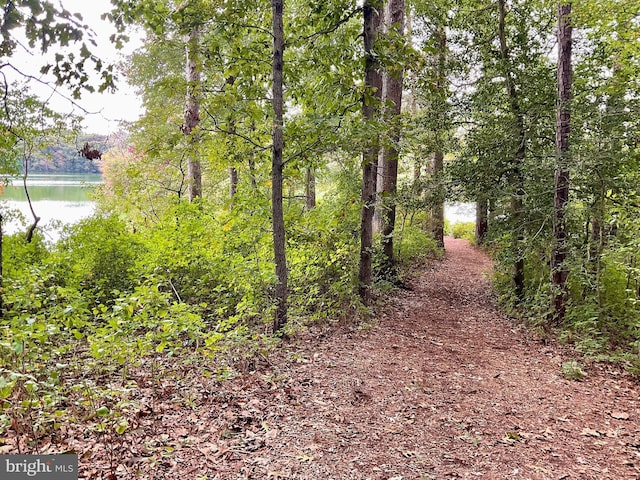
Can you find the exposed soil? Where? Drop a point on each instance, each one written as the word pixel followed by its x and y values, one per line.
pixel 440 386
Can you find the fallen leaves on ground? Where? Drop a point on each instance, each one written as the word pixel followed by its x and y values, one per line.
pixel 440 386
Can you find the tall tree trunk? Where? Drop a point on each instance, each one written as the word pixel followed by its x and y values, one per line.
pixel 233 171
pixel 383 29
pixel 310 184
pixel 437 211
pixel 559 271
pixel 390 154
pixel 438 157
pixel 253 175
pixel 380 199
pixel 370 112
pixel 252 172
pixel 277 165
pixel 520 136
pixel 192 114
pixel 482 220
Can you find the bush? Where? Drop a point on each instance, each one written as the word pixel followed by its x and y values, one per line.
pixel 414 243
pixel 98 256
pixel 466 231
pixel 323 260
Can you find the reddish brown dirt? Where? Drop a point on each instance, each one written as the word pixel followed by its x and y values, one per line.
pixel 440 386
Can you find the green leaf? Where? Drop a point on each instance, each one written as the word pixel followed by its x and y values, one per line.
pixel 102 411
pixel 121 426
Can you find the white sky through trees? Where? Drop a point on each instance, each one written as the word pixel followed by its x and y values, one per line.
pixel 122 104
pixel 107 109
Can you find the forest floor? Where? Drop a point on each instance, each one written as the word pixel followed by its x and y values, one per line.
pixel 439 386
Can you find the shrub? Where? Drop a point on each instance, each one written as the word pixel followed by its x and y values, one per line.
pixel 98 256
pixel 414 243
pixel 466 231
pixel 323 260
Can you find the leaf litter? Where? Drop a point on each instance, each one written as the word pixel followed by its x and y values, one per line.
pixel 441 386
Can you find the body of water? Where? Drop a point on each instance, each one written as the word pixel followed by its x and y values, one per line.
pixel 66 199
pixel 55 198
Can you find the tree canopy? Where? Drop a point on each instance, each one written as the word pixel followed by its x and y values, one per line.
pixel 242 205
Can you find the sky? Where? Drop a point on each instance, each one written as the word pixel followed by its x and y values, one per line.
pixel 108 109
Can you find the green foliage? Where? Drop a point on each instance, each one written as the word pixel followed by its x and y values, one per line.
pixel 97 256
pixel 46 26
pixel 465 230
pixel 572 370
pixel 413 243
pixel 144 323
pixel 323 261
pixel 215 260
pixel 153 276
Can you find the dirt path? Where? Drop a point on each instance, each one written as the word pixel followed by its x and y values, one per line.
pixel 442 386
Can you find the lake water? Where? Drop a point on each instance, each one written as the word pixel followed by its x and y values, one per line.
pixel 58 198
pixel 66 199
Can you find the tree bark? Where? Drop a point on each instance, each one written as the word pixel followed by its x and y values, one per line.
pixel 559 271
pixel 252 172
pixel 310 184
pixel 380 200
pixel 390 154
pixel 482 220
pixel 520 136
pixel 233 182
pixel 192 114
pixel 438 157
pixel 233 171
pixel 437 211
pixel 36 219
pixel 277 165
pixel 370 112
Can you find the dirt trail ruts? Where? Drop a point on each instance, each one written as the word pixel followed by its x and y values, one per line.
pixel 440 386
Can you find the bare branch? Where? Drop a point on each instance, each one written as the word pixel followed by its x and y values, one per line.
pixel 218 128
pixel 54 89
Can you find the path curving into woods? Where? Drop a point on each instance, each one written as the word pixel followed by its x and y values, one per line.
pixel 440 386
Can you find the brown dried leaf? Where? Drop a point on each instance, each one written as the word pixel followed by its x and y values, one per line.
pixel 619 415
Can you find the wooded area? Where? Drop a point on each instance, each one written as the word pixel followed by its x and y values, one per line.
pixel 292 165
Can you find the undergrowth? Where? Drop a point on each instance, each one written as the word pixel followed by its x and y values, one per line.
pixel 602 321
pixel 115 305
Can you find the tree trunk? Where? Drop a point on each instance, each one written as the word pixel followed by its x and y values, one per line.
pixel 380 199
pixel 277 165
pixel 310 184
pixel 437 211
pixel 370 112
pixel 36 219
pixel 438 157
pixel 233 182
pixel 482 220
pixel 233 171
pixel 383 29
pixel 520 136
pixel 559 271
pixel 390 154
pixel 192 114
pixel 253 175
pixel 252 172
